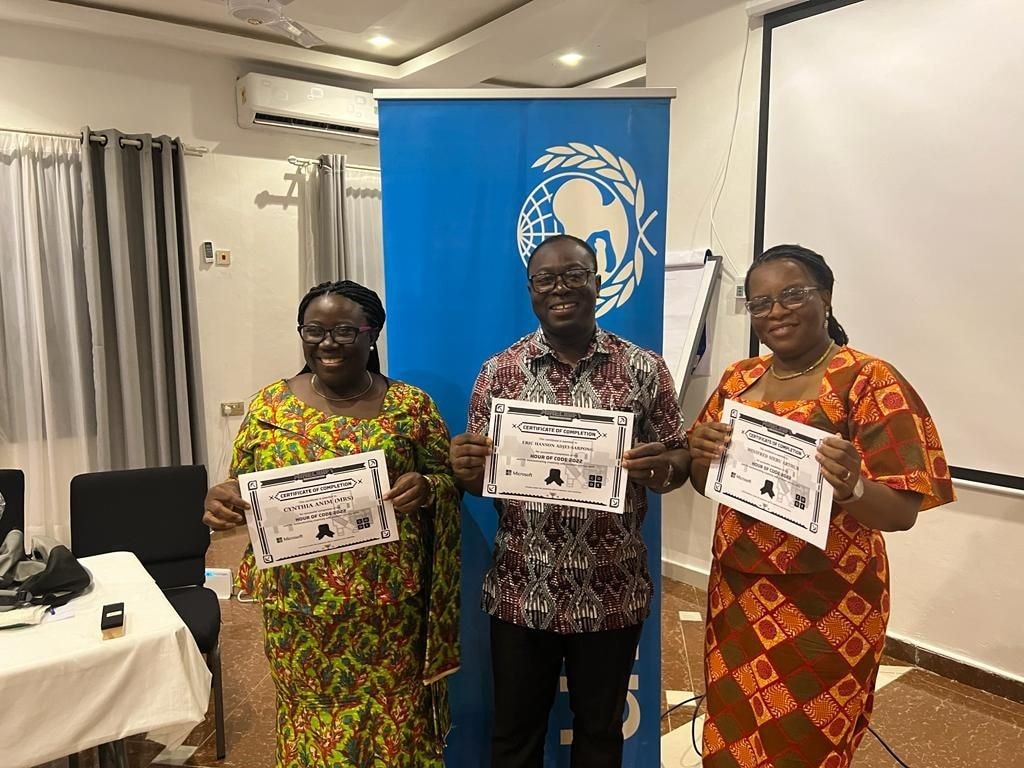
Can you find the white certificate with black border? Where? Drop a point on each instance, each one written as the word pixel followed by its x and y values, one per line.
pixel 320 508
pixel 770 473
pixel 558 454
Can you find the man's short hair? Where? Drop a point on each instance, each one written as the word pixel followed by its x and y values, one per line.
pixel 554 239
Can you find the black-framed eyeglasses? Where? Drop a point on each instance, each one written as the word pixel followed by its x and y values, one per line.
pixel 545 282
pixel 791 298
pixel 311 333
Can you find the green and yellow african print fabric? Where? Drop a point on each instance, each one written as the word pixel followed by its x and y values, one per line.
pixel 360 642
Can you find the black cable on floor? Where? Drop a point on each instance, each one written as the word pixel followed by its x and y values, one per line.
pixel 696 713
pixel 693 728
pixel 674 707
pixel 887 747
pixel 693 720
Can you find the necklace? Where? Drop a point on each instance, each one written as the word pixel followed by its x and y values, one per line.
pixel 369 385
pixel 805 371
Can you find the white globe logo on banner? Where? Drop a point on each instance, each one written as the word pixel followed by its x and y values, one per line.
pixel 591 193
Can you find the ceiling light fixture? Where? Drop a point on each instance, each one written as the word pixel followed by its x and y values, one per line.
pixel 380 41
pixel 570 59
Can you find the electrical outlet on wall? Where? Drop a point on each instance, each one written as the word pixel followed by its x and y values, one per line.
pixel 223 257
pixel 236 408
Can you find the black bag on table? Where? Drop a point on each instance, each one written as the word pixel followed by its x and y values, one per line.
pixel 51 576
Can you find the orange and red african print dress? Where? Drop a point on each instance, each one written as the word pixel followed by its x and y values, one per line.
pixel 795 634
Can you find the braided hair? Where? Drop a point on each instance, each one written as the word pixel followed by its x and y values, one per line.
pixel 361 295
pixel 815 264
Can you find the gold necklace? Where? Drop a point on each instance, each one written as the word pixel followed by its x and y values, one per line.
pixel 369 385
pixel 805 371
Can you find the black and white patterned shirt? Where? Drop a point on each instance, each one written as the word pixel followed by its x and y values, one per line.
pixel 567 569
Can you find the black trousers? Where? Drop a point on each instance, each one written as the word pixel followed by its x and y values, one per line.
pixel 526 664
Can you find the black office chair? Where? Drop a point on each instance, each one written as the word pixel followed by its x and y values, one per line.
pixel 12 491
pixel 158 515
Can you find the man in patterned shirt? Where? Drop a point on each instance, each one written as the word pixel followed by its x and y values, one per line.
pixel 570 584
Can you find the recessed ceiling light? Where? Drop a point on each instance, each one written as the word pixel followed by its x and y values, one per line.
pixel 380 41
pixel 570 59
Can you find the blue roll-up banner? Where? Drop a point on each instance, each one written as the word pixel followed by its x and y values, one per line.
pixel 472 182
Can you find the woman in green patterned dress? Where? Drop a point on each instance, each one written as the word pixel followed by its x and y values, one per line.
pixel 360 643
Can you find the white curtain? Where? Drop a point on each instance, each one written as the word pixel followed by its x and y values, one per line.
pixel 98 339
pixel 309 223
pixel 364 238
pixel 341 241
pixel 364 246
pixel 47 405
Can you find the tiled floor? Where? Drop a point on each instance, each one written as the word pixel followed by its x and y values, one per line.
pixel 930 722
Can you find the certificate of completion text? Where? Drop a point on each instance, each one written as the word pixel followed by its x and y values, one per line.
pixel 770 472
pixel 315 509
pixel 558 454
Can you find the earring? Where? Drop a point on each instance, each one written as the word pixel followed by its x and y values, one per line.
pixel 372 347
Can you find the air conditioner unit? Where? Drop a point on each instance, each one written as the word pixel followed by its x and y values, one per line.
pixel 276 102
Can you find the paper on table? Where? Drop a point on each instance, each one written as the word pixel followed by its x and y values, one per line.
pixel 59 614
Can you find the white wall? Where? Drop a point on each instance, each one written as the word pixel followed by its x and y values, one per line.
pixel 242 195
pixel 697 48
pixel 953 588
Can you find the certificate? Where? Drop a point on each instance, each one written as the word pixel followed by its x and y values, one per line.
pixel 558 454
pixel 320 508
pixel 770 472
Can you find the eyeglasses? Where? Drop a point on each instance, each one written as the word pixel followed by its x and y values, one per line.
pixel 342 334
pixel 545 282
pixel 791 298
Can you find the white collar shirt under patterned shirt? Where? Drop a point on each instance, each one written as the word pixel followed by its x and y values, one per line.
pixel 567 569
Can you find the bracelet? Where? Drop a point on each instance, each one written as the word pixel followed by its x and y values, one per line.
pixel 432 496
pixel 856 493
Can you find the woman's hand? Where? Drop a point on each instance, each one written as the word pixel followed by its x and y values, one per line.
pixel 709 441
pixel 410 492
pixel 840 464
pixel 224 507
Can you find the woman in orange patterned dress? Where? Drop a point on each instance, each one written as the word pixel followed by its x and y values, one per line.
pixel 795 633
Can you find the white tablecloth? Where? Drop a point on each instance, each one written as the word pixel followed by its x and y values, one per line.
pixel 64 689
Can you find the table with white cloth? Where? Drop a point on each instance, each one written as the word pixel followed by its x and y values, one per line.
pixel 64 689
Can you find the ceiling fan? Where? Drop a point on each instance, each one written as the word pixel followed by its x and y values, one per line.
pixel 267 14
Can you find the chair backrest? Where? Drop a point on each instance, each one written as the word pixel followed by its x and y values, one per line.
pixel 155 513
pixel 12 488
